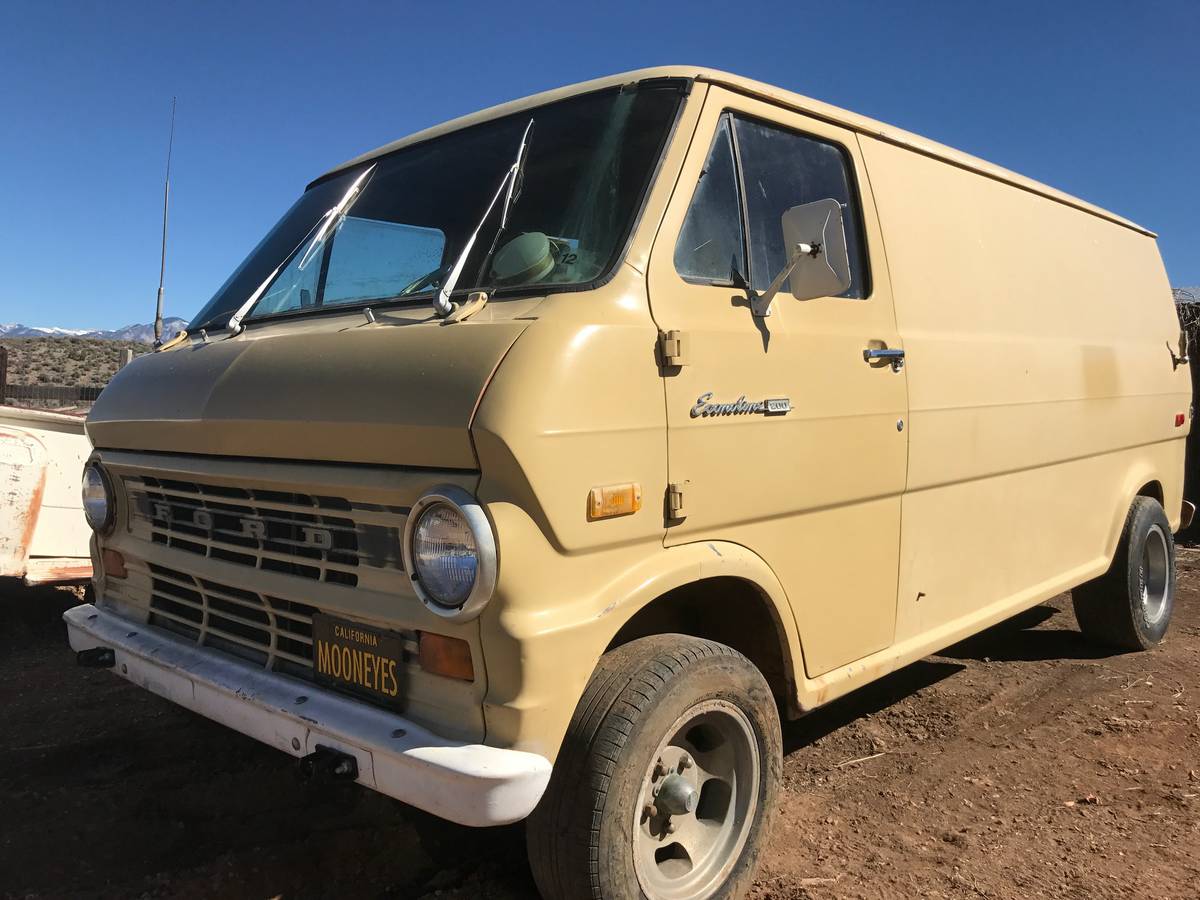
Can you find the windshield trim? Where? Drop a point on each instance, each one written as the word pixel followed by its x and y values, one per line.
pixel 682 85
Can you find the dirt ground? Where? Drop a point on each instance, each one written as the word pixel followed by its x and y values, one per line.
pixel 1021 763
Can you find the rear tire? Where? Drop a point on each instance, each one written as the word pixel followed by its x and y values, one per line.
pixel 1129 607
pixel 666 781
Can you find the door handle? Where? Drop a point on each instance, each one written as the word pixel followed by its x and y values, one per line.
pixel 885 354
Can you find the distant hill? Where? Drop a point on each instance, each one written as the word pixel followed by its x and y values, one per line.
pixel 143 334
pixel 65 360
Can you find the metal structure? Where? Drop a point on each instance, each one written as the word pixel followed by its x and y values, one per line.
pixel 162 265
pixel 43 537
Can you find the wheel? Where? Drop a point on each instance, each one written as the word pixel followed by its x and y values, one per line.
pixel 1129 606
pixel 667 780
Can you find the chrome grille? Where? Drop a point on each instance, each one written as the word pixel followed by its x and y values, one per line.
pixel 321 538
pixel 270 631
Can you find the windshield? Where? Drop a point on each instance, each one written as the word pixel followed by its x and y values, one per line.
pixel 589 164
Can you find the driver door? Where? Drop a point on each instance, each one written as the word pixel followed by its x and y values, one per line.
pixel 813 484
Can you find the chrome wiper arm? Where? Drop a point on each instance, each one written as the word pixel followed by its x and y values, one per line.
pixel 333 215
pixel 511 182
pixel 517 181
pixel 235 321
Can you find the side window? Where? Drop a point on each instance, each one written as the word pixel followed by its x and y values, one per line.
pixel 710 246
pixel 782 169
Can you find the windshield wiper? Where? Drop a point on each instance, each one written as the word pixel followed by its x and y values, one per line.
pixel 512 180
pixel 328 222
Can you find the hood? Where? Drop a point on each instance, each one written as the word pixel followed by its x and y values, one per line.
pixel 384 394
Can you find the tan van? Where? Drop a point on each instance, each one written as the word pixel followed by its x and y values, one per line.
pixel 538 464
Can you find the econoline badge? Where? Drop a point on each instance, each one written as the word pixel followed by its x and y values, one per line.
pixel 778 406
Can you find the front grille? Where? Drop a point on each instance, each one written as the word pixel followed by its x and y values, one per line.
pixel 269 631
pixel 321 538
pixel 275 633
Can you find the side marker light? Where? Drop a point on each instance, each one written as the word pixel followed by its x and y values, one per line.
pixel 614 500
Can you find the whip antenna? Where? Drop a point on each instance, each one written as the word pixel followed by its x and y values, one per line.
pixel 162 265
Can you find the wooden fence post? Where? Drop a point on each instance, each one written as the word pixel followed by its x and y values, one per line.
pixel 126 357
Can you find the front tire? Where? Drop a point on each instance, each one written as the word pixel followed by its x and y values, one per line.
pixel 1129 607
pixel 667 780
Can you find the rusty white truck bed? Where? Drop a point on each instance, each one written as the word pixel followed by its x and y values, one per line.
pixel 43 535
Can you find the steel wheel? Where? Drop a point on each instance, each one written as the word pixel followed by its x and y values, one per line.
pixel 697 801
pixel 1129 607
pixel 667 779
pixel 1155 575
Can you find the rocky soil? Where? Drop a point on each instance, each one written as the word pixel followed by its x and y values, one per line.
pixel 1021 763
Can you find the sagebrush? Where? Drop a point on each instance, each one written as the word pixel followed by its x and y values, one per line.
pixel 87 362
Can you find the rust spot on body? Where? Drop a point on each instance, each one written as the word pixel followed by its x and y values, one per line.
pixel 23 499
pixel 57 570
pixel 31 517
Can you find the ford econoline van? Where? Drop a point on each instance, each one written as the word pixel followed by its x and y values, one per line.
pixel 538 464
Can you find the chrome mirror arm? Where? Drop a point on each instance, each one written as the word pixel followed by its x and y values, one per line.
pixel 760 304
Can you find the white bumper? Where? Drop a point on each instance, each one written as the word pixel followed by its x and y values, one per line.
pixel 471 784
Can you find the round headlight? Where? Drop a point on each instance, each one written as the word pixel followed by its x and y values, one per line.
pixel 445 558
pixel 97 498
pixel 450 552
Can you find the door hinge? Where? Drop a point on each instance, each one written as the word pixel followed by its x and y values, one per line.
pixel 674 348
pixel 675 501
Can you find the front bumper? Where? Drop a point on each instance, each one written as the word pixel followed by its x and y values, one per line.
pixel 471 784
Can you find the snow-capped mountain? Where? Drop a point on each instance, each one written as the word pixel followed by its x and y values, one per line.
pixel 15 330
pixel 142 333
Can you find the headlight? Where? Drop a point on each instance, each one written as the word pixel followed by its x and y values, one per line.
pixel 450 552
pixel 97 498
pixel 445 558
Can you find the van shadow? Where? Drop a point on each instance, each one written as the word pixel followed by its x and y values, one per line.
pixel 869 699
pixel 28 614
pixel 1021 639
pixel 760 323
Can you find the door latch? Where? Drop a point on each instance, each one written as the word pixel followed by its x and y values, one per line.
pixel 885 354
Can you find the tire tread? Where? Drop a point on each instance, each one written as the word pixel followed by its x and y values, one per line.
pixel 565 861
pixel 1103 607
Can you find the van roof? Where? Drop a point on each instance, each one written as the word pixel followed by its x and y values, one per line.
pixel 788 99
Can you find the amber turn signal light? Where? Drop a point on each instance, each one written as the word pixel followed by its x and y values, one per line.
pixel 614 500
pixel 441 655
pixel 114 564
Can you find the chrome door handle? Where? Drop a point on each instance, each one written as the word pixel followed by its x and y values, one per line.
pixel 885 354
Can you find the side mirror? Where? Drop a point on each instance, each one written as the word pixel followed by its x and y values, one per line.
pixel 818 264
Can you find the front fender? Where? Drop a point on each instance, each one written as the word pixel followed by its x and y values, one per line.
pixel 541 644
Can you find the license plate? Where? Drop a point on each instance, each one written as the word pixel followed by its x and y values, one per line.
pixel 358 659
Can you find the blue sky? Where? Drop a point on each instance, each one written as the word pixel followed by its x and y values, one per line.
pixel 1101 99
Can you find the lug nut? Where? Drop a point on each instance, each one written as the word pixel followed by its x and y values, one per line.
pixel 670 829
pixel 685 762
pixel 650 810
pixel 659 769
